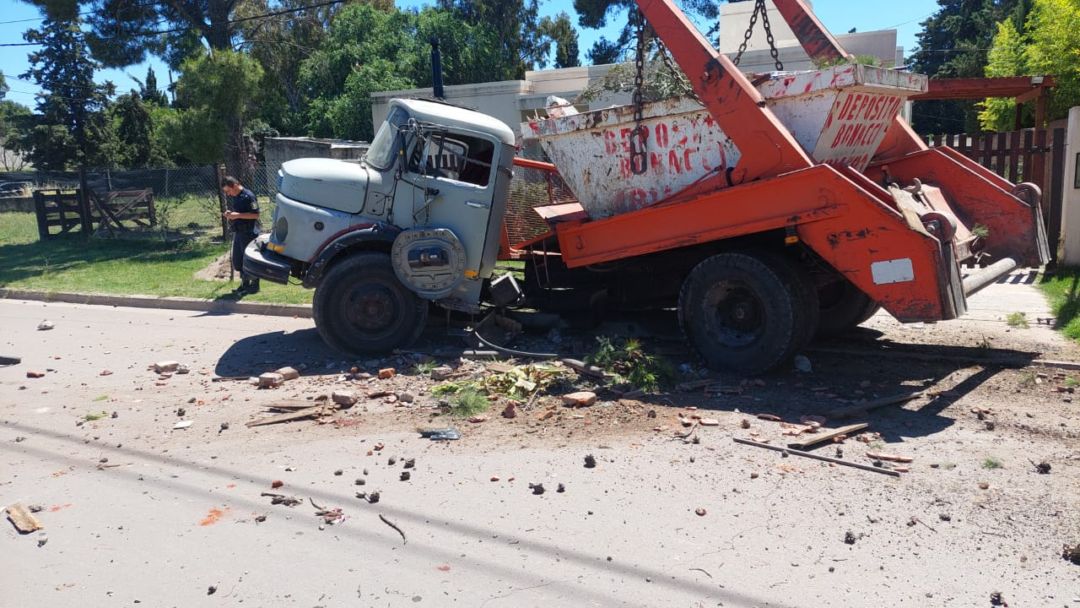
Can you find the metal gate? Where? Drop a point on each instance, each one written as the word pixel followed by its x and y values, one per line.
pixel 1029 155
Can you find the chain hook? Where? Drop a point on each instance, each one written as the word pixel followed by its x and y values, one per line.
pixel 759 7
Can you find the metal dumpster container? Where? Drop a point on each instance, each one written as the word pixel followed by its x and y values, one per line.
pixel 839 115
pixel 592 152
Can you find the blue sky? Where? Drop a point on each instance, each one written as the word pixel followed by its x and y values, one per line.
pixel 837 15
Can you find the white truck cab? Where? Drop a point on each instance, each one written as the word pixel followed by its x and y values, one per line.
pixel 416 221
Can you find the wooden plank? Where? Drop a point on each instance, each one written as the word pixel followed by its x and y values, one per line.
pixel 824 435
pixel 297 415
pixel 1014 157
pixel 1000 148
pixel 1029 142
pixel 24 520
pixel 873 404
pixel 1038 165
pixel 987 151
pixel 845 463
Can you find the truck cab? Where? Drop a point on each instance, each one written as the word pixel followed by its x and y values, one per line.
pixel 416 222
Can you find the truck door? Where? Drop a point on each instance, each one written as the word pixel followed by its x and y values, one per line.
pixel 454 177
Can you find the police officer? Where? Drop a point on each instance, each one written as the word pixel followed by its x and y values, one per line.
pixel 243 215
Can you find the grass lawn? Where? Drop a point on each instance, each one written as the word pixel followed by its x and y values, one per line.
pixel 136 266
pixel 1063 290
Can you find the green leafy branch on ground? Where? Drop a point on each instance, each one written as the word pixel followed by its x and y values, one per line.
pixel 628 361
pixel 518 383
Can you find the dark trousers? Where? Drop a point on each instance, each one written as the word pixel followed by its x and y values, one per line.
pixel 239 244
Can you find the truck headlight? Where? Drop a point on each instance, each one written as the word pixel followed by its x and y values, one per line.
pixel 281 229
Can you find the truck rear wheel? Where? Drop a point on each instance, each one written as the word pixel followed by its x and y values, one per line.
pixel 843 307
pixel 747 312
pixel 361 307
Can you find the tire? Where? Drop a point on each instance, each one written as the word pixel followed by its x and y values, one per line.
pixel 747 312
pixel 361 307
pixel 843 308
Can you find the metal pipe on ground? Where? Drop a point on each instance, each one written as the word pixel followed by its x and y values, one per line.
pixel 975 282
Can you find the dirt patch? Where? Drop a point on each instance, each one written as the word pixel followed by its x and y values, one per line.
pixel 218 270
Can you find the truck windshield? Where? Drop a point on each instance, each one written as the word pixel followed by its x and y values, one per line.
pixel 388 140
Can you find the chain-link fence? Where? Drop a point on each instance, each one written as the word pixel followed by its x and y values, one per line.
pixel 186 199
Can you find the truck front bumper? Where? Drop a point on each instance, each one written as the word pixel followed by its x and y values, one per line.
pixel 266 264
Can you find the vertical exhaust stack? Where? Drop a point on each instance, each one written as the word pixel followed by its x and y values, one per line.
pixel 436 69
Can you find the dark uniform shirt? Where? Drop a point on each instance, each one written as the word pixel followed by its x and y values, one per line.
pixel 245 202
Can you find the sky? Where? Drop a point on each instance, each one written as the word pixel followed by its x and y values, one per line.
pixel 839 16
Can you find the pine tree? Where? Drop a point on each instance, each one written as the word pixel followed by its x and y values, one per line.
pixel 71 129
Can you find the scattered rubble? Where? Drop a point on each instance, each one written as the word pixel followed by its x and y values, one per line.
pixel 386 373
pixel 590 461
pixel 165 367
pixel 23 519
pixel 45 325
pixel 344 398
pixel 288 373
pixel 579 399
pixel 271 380
pixel 34 374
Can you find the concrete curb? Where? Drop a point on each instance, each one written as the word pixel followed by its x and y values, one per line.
pixel 136 301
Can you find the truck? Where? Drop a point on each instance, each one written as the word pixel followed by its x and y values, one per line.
pixel 767 210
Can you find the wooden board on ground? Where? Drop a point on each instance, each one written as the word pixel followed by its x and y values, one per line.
pixel 824 435
pixel 297 415
pixel 24 520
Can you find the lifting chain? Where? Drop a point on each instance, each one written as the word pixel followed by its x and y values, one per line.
pixel 759 7
pixel 639 136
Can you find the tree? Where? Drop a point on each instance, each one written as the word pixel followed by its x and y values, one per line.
pixel 149 91
pixel 366 50
pixel 594 14
pixel 560 31
pixel 953 44
pixel 1006 58
pixel 134 130
pixel 123 32
pixel 1046 42
pixel 216 93
pixel 15 120
pixel 71 128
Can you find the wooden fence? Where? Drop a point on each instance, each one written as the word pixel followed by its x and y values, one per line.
pixel 1029 155
pixel 64 209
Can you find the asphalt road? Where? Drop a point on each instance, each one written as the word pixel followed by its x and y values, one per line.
pixel 136 512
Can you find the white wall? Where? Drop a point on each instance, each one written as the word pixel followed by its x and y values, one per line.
pixel 1070 210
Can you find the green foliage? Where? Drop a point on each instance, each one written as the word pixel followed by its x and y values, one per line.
pixel 15 122
pixel 135 144
pixel 521 382
pixel 1006 58
pixel 469 402
pixel 659 82
pixel 120 266
pixel 1047 42
pixel 1053 28
pixel 631 364
pixel 215 92
pixel 1017 319
pixel 560 31
pixel 92 416
pixel 71 127
pixel 991 463
pixel 1063 290
pixel 952 44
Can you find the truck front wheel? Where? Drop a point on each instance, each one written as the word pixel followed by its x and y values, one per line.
pixel 361 307
pixel 746 312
